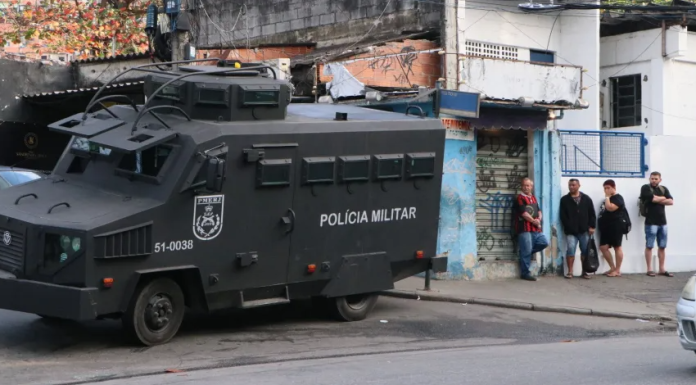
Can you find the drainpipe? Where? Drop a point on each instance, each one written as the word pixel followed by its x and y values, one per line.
pixel 544 147
pixel 664 39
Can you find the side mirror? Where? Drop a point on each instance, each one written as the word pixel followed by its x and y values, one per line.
pixel 215 174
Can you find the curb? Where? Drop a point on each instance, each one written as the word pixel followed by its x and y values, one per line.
pixel 520 305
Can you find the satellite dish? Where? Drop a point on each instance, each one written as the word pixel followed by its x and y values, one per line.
pixel 539 7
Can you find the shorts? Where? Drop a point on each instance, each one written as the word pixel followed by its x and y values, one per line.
pixel 572 244
pixel 611 237
pixel 655 231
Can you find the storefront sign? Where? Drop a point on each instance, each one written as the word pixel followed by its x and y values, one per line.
pixel 457 129
pixel 458 103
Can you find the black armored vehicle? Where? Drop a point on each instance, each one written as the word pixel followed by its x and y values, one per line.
pixel 219 193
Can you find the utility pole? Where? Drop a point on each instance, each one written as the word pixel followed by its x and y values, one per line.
pixel 449 42
pixel 453 41
pixel 178 38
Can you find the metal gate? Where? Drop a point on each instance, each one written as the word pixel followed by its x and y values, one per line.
pixel 501 163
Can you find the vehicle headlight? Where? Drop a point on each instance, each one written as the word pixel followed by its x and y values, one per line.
pixel 689 291
pixel 60 247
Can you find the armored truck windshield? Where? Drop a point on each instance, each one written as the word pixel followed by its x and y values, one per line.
pixel 219 193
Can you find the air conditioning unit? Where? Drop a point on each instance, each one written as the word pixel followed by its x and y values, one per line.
pixel 281 67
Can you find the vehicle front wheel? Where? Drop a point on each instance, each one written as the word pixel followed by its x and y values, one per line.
pixel 155 312
pixel 353 307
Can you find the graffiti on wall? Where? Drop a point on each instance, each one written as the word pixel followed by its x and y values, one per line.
pixel 457 230
pixel 400 66
pixel 501 164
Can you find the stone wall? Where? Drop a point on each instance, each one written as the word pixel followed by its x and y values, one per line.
pixel 326 22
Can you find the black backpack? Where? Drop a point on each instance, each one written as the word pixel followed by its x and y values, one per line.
pixel 625 221
pixel 643 205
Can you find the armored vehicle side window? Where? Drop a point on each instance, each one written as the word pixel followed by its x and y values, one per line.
pixel 389 166
pixel 84 151
pixel 149 162
pixel 318 170
pixel 273 172
pixel 420 164
pixel 354 168
pixel 212 96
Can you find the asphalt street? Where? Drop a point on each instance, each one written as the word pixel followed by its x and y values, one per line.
pixel 35 351
pixel 605 362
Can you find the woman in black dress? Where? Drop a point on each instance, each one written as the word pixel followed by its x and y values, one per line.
pixel 610 227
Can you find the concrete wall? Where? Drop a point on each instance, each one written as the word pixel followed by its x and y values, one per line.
pixel 18 78
pixel 572 36
pixel 457 231
pixel 510 80
pixel 98 73
pixel 327 22
pixel 667 82
pixel 681 255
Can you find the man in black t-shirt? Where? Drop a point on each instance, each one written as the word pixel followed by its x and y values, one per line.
pixel 654 198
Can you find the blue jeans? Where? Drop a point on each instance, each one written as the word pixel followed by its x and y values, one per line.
pixel 653 231
pixel 528 244
pixel 573 240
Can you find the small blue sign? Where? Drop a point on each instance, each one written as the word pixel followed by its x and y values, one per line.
pixel 459 103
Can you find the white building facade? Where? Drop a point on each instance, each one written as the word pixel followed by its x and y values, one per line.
pixel 531 70
pixel 644 86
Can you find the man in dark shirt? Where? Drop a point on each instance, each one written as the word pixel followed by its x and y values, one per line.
pixel 579 222
pixel 530 239
pixel 655 197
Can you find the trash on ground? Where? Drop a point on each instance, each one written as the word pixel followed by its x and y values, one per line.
pixel 641 320
pixel 383 321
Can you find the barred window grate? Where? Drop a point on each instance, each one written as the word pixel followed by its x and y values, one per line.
pixel 497 51
pixel 603 153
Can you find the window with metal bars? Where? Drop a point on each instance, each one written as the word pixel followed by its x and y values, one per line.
pixel 626 101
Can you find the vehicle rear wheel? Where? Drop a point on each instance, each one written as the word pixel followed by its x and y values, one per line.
pixel 155 313
pixel 353 307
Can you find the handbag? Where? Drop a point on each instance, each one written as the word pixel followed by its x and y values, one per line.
pixel 591 262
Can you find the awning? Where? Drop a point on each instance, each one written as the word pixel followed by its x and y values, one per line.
pixel 127 87
pixel 501 118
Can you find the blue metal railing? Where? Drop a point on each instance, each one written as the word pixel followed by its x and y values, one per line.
pixel 603 153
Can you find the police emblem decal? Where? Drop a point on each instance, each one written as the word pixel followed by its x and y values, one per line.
pixel 208 214
pixel 7 238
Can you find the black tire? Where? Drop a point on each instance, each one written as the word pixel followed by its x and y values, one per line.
pixel 353 307
pixel 155 312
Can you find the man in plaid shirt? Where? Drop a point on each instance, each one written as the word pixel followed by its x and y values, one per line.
pixel 530 239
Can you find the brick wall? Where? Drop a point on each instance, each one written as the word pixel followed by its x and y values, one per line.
pixel 396 64
pixel 254 54
pixel 326 22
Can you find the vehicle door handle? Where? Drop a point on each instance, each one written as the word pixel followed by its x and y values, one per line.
pixel 289 221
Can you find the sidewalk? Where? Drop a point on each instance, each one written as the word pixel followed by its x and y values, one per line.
pixel 630 296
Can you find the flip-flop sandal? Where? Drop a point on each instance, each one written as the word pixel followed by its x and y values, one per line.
pixel 586 276
pixel 667 274
pixel 568 276
pixel 650 274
